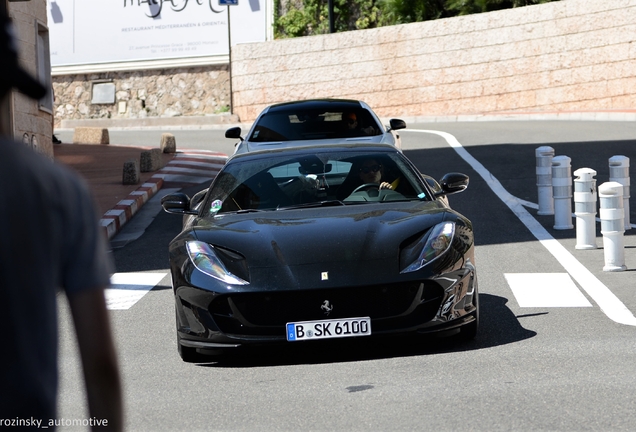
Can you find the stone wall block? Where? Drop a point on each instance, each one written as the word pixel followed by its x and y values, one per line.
pixel 91 135
pixel 150 160
pixel 168 143
pixel 131 174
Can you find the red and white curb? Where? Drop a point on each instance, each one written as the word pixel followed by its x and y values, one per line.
pixel 190 167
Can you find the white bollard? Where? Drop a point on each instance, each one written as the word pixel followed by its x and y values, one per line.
pixel 585 208
pixel 612 225
pixel 619 173
pixel 544 157
pixel 562 192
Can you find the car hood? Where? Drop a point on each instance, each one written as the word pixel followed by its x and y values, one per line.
pixel 343 240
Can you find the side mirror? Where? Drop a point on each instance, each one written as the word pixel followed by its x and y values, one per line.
pixel 397 124
pixel 453 183
pixel 177 203
pixel 234 133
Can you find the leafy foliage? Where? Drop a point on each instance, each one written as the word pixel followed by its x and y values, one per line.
pixel 309 17
pixel 466 7
pixel 294 18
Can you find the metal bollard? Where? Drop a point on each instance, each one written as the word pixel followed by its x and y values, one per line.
pixel 562 192
pixel 585 208
pixel 619 173
pixel 544 157
pixel 612 225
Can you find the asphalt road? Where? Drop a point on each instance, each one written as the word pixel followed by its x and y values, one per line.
pixel 535 365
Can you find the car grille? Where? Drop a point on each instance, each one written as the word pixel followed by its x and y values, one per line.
pixel 393 306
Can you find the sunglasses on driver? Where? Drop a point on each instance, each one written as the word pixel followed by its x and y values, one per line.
pixel 372 168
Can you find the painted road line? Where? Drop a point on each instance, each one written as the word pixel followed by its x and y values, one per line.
pixel 192 167
pixel 126 289
pixel 545 290
pixel 190 163
pixel 607 301
pixel 195 172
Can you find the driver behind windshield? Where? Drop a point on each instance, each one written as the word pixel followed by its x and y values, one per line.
pixel 371 171
pixel 353 126
pixel 368 171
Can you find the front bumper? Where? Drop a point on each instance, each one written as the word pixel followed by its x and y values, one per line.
pixel 209 320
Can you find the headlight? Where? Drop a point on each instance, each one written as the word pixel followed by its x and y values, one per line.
pixel 203 257
pixel 437 242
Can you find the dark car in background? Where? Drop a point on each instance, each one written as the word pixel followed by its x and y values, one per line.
pixel 292 246
pixel 321 121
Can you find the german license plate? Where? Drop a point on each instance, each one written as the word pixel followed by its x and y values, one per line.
pixel 326 329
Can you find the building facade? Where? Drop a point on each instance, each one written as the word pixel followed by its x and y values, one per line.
pixel 28 120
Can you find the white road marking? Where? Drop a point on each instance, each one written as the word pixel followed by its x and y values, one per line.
pixel 607 301
pixel 545 290
pixel 192 167
pixel 126 289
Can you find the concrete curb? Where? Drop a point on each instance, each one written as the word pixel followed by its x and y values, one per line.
pixel 114 219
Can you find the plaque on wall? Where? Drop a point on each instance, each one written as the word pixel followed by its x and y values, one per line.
pixel 103 93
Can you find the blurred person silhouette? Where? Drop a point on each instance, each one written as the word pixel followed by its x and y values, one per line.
pixel 49 240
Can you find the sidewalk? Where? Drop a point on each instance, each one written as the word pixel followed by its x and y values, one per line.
pixel 102 167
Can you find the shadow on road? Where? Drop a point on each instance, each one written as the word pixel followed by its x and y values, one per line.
pixel 514 166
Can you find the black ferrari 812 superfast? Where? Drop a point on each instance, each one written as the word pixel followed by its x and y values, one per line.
pixel 295 245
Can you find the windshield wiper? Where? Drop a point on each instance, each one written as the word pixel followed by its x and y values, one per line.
pixel 328 203
pixel 247 211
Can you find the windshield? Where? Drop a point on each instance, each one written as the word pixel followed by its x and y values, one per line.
pixel 313 124
pixel 336 177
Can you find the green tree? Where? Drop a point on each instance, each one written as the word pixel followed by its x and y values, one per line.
pixel 407 11
pixel 466 7
pixel 294 18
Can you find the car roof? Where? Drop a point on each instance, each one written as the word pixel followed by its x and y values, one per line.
pixel 335 104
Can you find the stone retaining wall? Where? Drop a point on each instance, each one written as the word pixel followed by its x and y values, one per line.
pixel 566 55
pixel 196 91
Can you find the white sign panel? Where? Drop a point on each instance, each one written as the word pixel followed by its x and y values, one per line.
pixel 108 31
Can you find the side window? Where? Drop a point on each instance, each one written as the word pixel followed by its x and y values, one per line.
pixel 285 171
pixel 44 65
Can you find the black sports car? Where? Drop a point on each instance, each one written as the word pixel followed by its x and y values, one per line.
pixel 308 243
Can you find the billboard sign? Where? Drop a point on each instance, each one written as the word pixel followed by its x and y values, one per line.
pixel 93 32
